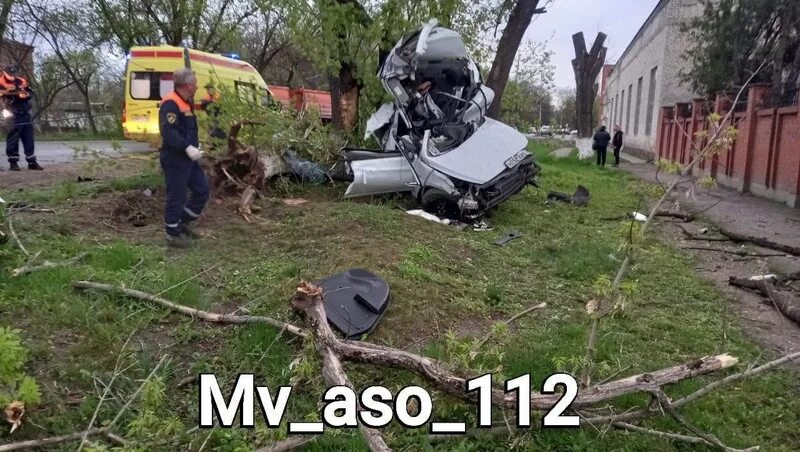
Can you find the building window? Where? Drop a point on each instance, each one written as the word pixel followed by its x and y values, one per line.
pixel 651 99
pixel 628 107
pixel 638 106
pixel 616 110
pixel 611 114
pixel 621 109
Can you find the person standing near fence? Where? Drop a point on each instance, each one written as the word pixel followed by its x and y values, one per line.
pixel 180 152
pixel 16 96
pixel 617 143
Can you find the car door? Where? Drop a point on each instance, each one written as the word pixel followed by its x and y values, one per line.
pixel 386 172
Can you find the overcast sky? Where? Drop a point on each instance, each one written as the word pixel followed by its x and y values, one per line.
pixel 619 19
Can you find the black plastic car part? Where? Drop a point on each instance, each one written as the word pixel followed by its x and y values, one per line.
pixel 355 301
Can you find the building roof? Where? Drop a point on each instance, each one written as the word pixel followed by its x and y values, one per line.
pixel 660 6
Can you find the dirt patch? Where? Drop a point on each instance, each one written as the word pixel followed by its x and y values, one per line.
pixel 57 173
pixel 137 209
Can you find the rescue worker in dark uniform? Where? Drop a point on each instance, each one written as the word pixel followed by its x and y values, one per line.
pixel 180 153
pixel 16 96
pixel 210 106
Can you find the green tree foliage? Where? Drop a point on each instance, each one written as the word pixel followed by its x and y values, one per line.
pixel 732 38
pixel 566 114
pixel 14 383
pixel 278 127
pixel 527 101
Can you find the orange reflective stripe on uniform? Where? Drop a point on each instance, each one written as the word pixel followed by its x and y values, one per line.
pixel 7 82
pixel 184 106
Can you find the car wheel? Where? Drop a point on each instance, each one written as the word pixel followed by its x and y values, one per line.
pixel 441 204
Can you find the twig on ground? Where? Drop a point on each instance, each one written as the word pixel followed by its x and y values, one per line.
pixel 34 443
pixel 509 322
pixel 689 236
pixel 195 313
pixel 666 404
pixel 736 252
pixel 660 434
pixel 137 392
pixel 46 265
pixel 289 444
pixel 686 217
pixel 186 381
pixel 16 237
pixel 117 372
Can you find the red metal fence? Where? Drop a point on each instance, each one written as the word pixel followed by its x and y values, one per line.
pixel 764 159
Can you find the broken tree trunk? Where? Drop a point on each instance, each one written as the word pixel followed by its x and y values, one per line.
pixel 760 241
pixel 308 302
pixel 587 66
pixel 785 302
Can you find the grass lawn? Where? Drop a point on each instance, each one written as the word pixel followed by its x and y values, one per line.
pixel 449 288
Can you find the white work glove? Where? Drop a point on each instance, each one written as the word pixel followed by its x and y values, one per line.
pixel 194 153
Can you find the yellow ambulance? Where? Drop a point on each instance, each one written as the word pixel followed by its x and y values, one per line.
pixel 148 77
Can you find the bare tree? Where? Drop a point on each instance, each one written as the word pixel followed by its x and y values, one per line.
pixel 62 29
pixel 587 66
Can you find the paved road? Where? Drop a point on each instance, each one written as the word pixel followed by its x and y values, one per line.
pixel 57 152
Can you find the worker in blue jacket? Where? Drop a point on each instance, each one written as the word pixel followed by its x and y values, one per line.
pixel 16 100
pixel 180 153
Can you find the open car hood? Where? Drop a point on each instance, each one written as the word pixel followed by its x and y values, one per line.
pixel 483 156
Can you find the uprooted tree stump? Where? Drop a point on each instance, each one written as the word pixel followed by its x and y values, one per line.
pixel 244 171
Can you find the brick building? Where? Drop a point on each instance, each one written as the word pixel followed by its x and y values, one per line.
pixel 646 76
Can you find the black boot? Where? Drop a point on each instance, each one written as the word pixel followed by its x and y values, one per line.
pixel 34 166
pixel 13 166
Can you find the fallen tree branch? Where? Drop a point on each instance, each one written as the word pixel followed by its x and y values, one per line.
pixel 46 265
pixel 705 390
pixel 686 217
pixel 16 238
pixel 438 375
pixel 509 322
pixel 82 435
pixel 30 444
pixel 736 252
pixel 689 236
pixel 191 312
pixel 308 302
pixel 666 404
pixel 760 241
pixel 785 303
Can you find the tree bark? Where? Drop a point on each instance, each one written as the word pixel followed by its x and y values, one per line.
pixel 587 66
pixel 87 104
pixel 308 302
pixel 518 23
pixel 5 11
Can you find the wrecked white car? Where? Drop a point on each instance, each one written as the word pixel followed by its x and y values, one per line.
pixel 436 141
